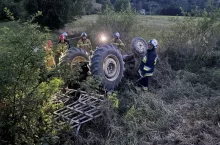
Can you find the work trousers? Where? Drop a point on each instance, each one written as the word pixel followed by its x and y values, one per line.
pixel 144 81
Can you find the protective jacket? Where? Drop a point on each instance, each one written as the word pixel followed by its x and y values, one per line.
pixel 85 44
pixel 49 60
pixel 61 48
pixel 148 63
pixel 66 41
pixel 117 42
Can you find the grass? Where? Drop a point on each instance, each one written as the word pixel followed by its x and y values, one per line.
pixel 147 27
pixel 153 23
pixel 180 111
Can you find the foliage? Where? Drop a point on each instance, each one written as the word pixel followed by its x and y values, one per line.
pixel 109 22
pixel 25 97
pixel 107 5
pixel 15 7
pixel 112 97
pixel 121 5
pixel 9 14
pixel 171 11
pixel 197 46
pixel 55 13
pixel 164 7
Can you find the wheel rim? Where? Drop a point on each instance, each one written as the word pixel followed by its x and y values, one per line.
pixel 111 67
pixel 140 46
pixel 78 59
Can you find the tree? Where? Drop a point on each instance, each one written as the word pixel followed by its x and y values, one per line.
pixel 15 7
pixel 139 5
pixel 107 4
pixel 56 13
pixel 171 11
pixel 101 1
pixel 121 5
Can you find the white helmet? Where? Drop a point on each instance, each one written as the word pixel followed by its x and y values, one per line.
pixel 153 42
pixel 65 34
pixel 117 34
pixel 83 34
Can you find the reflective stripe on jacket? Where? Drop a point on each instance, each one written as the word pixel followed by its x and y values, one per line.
pixel 148 63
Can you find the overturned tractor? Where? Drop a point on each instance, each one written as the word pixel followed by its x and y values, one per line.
pixel 107 61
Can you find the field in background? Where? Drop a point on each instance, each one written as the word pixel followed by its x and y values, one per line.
pixel 148 27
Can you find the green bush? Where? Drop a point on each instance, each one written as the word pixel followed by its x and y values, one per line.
pixel 25 98
pixel 121 5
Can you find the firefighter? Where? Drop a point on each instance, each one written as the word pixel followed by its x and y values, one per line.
pixel 61 47
pixel 147 65
pixel 117 41
pixel 85 43
pixel 65 40
pixel 49 58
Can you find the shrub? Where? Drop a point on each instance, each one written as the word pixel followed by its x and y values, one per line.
pixel 26 114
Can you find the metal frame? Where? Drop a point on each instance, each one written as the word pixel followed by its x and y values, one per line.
pixel 85 109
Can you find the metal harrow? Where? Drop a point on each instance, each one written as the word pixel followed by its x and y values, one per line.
pixel 78 112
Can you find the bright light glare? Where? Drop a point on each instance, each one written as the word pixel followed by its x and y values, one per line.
pixel 103 38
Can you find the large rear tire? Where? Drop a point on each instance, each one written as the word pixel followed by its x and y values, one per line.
pixel 107 63
pixel 74 60
pixel 74 56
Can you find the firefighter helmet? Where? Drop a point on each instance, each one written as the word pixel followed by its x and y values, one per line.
pixel 83 34
pixel 65 34
pixel 61 37
pixel 153 42
pixel 117 34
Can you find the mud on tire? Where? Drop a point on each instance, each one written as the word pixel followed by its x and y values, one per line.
pixel 107 63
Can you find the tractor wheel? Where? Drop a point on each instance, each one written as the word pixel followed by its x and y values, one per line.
pixel 107 63
pixel 139 47
pixel 74 56
pixel 72 60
